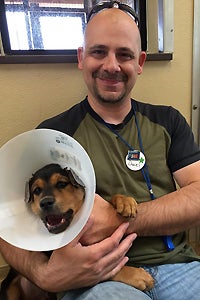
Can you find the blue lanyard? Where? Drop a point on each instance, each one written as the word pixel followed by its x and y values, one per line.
pixel 145 172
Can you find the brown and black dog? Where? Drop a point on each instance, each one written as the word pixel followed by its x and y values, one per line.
pixel 56 195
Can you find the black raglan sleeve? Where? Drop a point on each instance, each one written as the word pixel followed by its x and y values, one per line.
pixel 68 121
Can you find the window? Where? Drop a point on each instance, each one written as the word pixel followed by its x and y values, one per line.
pixel 42 27
pixel 51 28
pixel 45 26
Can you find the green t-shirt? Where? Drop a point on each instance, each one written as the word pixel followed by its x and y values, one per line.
pixel 168 145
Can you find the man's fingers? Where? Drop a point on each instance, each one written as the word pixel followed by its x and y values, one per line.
pixel 112 242
pixel 120 232
pixel 116 259
pixel 109 264
pixel 111 273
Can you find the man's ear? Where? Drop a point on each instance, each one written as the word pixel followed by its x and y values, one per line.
pixel 142 59
pixel 80 57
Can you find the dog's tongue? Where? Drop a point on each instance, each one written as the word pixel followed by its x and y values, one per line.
pixel 54 220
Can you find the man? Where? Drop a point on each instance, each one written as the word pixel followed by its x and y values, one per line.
pixel 120 135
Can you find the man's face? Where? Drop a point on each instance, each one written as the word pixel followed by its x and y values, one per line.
pixel 111 58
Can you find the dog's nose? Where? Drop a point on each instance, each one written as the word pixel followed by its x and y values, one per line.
pixel 47 203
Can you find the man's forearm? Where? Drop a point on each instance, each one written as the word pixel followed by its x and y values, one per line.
pixel 169 214
pixel 25 262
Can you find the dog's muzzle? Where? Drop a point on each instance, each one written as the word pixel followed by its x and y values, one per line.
pixel 54 221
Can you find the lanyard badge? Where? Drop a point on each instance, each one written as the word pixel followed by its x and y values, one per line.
pixel 135 161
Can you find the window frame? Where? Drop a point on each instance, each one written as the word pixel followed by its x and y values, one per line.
pixel 65 55
pixel 195 113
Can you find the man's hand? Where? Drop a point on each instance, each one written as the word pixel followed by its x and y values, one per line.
pixel 74 266
pixel 105 221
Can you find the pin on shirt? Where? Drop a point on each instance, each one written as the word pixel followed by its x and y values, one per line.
pixel 135 160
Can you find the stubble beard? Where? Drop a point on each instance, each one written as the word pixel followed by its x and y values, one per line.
pixel 110 98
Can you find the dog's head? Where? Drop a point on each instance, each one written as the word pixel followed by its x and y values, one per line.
pixel 55 195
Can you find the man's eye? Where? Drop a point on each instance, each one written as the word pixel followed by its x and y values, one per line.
pixel 125 56
pixel 61 184
pixel 98 53
pixel 37 191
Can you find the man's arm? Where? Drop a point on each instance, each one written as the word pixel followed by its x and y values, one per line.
pixel 167 215
pixel 90 264
pixel 174 212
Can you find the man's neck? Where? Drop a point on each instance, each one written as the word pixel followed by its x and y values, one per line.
pixel 111 113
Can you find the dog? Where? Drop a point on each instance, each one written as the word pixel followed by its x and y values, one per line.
pixel 55 195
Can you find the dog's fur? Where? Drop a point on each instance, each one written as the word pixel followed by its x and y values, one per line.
pixel 56 195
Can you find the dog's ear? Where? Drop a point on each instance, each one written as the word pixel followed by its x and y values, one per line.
pixel 27 196
pixel 74 178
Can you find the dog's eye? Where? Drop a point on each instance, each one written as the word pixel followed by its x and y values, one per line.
pixel 37 191
pixel 61 184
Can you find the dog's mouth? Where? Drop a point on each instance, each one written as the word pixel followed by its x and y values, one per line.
pixel 56 223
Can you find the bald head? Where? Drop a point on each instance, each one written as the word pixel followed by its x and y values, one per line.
pixel 110 22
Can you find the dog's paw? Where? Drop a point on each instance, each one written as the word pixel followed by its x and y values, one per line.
pixel 125 206
pixel 136 277
pixel 144 281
